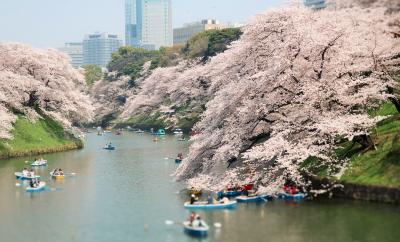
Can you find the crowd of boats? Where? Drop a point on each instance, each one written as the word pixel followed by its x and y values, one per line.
pixel 228 199
pixel 194 225
pixel 35 184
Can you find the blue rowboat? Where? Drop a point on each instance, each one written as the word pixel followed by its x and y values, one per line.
pixel 206 205
pixel 41 187
pixel 259 198
pixel 21 176
pixel 109 148
pixel 39 163
pixel 229 194
pixel 160 132
pixel 286 196
pixel 178 161
pixel 196 231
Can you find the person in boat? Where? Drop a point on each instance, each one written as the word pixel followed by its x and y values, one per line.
pixel 55 171
pixel 192 199
pixel 180 156
pixel 224 200
pixel 286 188
pixel 191 218
pixel 37 182
pixel 32 173
pixel 60 172
pixel 210 199
pixel 25 172
pixel 32 183
pixel 293 190
pixel 198 222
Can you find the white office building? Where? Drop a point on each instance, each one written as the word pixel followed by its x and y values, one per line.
pixel 98 47
pixel 75 52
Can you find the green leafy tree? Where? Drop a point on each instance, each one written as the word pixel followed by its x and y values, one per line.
pixel 209 43
pixel 93 73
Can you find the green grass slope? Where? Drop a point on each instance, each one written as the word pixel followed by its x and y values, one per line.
pixel 44 136
pixel 377 167
pixel 380 166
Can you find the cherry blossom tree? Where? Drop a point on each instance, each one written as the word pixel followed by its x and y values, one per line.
pixel 296 81
pixel 35 82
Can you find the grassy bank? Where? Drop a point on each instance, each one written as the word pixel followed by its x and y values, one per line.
pixel 380 166
pixel 44 136
pixel 375 167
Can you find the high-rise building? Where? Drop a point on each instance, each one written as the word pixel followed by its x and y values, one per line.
pixel 148 23
pixel 75 52
pixel 315 4
pixel 98 47
pixel 183 34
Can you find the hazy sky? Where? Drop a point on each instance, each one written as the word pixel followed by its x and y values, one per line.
pixel 50 23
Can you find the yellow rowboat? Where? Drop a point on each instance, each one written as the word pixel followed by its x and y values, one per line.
pixel 57 177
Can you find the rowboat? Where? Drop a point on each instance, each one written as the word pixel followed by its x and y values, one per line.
pixel 39 163
pixel 57 177
pixel 160 132
pixel 286 196
pixel 206 205
pixel 196 231
pixel 178 131
pixel 229 194
pixel 109 147
pixel 21 176
pixel 258 198
pixel 177 161
pixel 39 188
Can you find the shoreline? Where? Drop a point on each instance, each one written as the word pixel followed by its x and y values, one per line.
pixel 353 191
pixel 42 150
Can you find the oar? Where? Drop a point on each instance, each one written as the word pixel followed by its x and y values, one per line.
pixel 70 174
pixel 50 189
pixel 217 225
pixel 170 222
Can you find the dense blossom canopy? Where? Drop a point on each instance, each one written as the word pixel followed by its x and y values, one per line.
pixel 286 90
pixel 295 81
pixel 34 81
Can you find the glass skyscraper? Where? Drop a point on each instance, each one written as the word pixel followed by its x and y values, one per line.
pixel 148 23
pixel 98 47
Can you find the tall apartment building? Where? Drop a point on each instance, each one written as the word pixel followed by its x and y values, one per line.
pixel 183 34
pixel 98 47
pixel 75 52
pixel 148 23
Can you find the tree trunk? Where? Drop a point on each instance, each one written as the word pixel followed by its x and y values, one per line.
pixel 365 141
pixel 394 99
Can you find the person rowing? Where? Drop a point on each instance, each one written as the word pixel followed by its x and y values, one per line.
pixel 34 183
pixel 25 172
pixel 31 173
pixel 192 217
